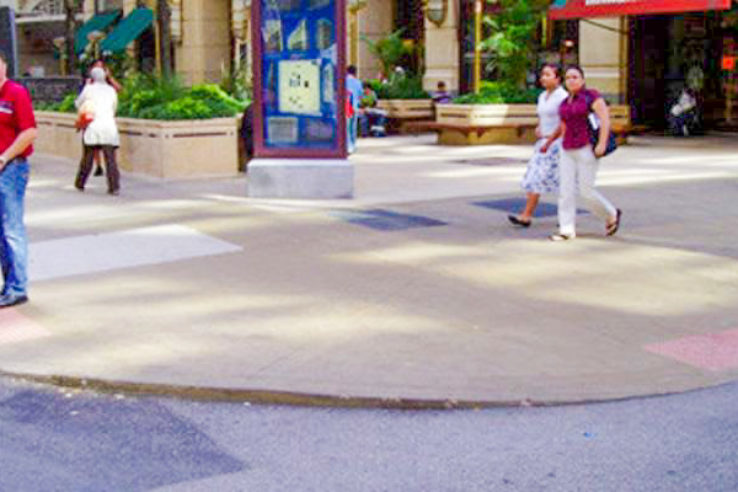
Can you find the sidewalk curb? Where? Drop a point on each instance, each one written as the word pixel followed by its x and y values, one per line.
pixel 295 399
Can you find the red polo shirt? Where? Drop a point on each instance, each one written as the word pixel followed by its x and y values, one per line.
pixel 16 115
pixel 574 114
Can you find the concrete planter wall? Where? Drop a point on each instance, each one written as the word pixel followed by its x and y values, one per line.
pixel 485 124
pixel 487 114
pixel 165 149
pixel 407 108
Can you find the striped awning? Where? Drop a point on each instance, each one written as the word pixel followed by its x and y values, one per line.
pixel 128 30
pixel 100 22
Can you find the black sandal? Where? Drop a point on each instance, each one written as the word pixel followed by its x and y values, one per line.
pixel 516 221
pixel 613 228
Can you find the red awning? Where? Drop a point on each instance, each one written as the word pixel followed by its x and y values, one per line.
pixel 577 9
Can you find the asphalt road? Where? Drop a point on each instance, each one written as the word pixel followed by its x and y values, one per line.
pixel 54 439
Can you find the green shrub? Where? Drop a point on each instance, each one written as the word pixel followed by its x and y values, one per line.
pixel 216 96
pixel 150 97
pixel 500 93
pixel 402 86
pixel 185 108
pixel 66 105
pixel 389 50
pixel 142 91
pixel 236 81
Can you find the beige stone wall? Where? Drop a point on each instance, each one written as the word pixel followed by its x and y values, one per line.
pixel 375 21
pixel 442 51
pixel 603 56
pixel 205 43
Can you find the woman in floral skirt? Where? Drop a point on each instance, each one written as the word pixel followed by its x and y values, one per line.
pixel 542 175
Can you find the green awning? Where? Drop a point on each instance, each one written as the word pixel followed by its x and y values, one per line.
pixel 128 30
pixel 97 23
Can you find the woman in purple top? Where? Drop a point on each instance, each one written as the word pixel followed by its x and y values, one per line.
pixel 579 162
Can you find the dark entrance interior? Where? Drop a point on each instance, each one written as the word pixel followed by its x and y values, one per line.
pixel 668 53
pixel 648 57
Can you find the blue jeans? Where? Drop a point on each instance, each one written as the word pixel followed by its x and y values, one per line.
pixel 352 129
pixel 13 240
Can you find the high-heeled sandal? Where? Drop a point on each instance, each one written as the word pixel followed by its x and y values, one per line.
pixel 611 229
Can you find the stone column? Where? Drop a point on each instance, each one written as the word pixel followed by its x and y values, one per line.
pixel 442 51
pixel 603 54
pixel 205 40
pixel 375 22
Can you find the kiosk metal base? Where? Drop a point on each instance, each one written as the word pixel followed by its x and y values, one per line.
pixel 300 178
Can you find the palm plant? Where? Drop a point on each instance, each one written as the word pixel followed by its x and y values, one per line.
pixel 389 50
pixel 512 40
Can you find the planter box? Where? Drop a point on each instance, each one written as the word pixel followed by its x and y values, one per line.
pixel 407 109
pixel 486 124
pixel 402 112
pixel 164 149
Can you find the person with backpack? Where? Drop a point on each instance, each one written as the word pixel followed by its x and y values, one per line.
pixel 579 160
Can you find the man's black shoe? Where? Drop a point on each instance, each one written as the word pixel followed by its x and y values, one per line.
pixel 8 300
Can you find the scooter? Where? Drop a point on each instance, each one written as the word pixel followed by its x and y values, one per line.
pixel 684 119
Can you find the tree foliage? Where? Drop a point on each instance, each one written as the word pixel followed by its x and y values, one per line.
pixel 389 50
pixel 512 38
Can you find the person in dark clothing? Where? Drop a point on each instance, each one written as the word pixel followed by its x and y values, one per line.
pixel 247 131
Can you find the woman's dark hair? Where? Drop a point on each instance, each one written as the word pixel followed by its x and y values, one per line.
pixel 554 67
pixel 577 68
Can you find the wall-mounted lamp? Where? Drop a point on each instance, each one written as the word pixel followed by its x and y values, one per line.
pixel 436 11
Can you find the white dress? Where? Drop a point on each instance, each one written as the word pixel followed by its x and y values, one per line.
pixel 542 174
pixel 103 100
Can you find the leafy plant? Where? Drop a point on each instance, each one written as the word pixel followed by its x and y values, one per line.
pixel 236 81
pixel 389 50
pixel 500 93
pixel 66 105
pixel 512 41
pixel 400 86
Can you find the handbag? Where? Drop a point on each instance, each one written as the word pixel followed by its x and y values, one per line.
pixel 593 126
pixel 85 116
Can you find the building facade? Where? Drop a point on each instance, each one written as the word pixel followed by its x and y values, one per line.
pixel 643 58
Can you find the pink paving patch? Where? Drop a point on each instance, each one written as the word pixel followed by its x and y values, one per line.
pixel 714 351
pixel 14 327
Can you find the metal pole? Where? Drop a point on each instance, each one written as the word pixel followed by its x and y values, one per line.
pixel 477 45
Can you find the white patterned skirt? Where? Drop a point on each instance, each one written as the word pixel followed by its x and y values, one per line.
pixel 542 175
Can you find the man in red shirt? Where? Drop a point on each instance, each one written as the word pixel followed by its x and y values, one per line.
pixel 17 133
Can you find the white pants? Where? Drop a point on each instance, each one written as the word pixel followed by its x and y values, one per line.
pixel 579 166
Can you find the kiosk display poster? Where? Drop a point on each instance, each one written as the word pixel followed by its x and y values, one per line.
pixel 297 78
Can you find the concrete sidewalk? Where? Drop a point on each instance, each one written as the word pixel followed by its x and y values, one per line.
pixel 415 293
